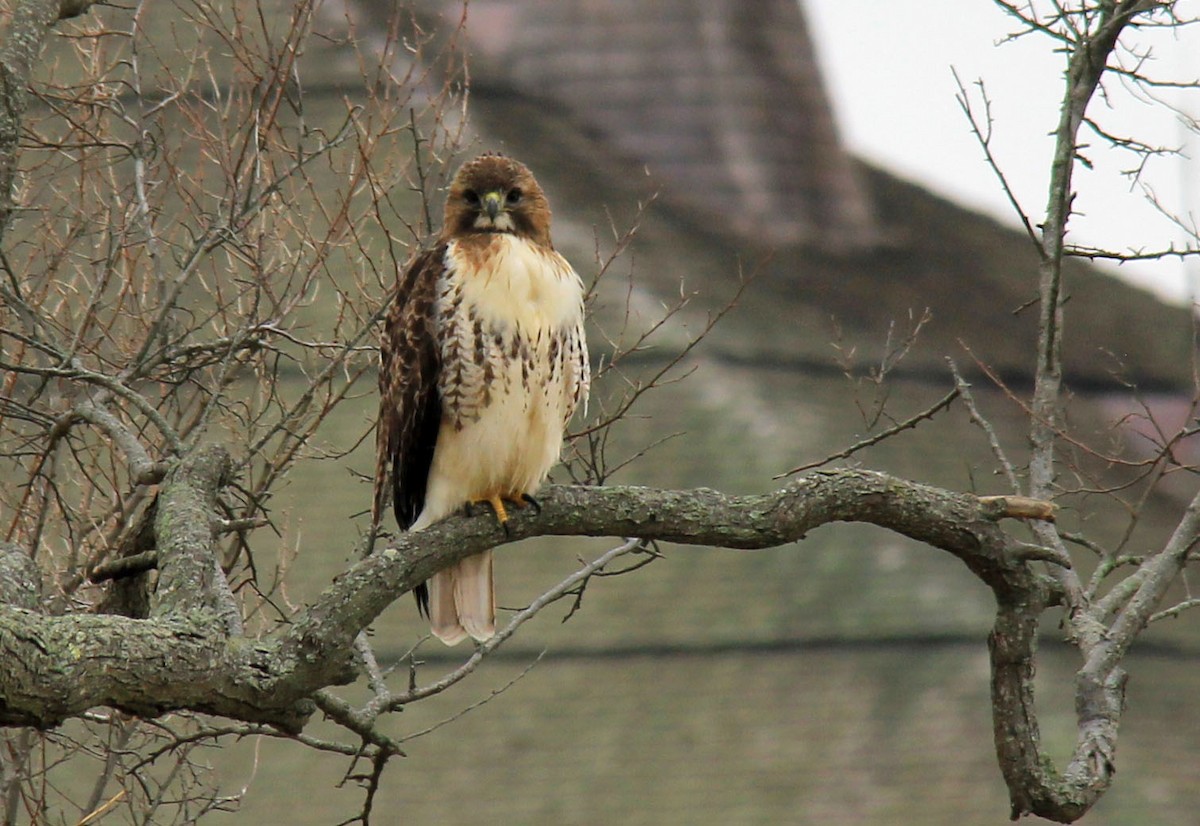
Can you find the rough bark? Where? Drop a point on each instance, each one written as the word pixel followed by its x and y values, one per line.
pixel 1100 685
pixel 184 656
pixel 186 650
pixel 187 657
pixel 58 667
pixel 20 582
pixel 190 579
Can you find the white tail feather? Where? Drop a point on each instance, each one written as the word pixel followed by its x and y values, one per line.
pixel 462 601
pixel 443 617
pixel 475 596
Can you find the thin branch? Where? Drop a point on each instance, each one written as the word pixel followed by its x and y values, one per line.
pixel 125 566
pixel 493 694
pixel 142 469
pixel 519 619
pixel 983 135
pixel 907 424
pixel 978 419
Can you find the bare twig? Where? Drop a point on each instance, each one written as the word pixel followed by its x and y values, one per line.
pixel 978 419
pixel 887 433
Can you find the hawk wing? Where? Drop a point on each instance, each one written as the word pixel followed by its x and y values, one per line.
pixel 578 371
pixel 410 407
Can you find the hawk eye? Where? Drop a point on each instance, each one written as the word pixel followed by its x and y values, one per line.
pixel 514 196
pixel 471 197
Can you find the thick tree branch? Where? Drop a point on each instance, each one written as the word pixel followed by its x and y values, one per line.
pixel 190 579
pixel 953 522
pixel 57 668
pixel 1033 785
pixel 20 581
pixel 183 658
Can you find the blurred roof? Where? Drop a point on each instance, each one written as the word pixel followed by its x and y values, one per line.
pixel 842 680
pixel 722 101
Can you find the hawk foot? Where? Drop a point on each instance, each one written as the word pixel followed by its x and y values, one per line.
pixel 497 504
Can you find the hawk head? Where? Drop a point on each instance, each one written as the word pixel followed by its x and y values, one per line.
pixel 494 193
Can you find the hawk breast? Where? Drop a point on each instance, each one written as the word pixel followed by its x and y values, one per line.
pixel 513 368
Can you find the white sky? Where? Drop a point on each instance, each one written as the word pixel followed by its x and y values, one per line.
pixel 887 65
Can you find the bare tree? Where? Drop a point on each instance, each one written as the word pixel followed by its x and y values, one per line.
pixel 167 224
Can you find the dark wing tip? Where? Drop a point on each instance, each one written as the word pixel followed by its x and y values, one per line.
pixel 421 592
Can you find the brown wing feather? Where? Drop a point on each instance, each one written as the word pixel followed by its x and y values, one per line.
pixel 410 409
pixel 578 371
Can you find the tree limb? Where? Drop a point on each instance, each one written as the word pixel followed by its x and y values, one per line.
pixel 20 581
pixel 182 658
pixel 190 580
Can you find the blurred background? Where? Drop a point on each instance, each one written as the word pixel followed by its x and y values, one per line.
pixel 815 151
pixel 843 680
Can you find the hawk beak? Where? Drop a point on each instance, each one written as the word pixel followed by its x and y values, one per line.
pixel 493 204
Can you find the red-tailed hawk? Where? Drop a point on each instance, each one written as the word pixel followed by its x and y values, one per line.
pixel 482 362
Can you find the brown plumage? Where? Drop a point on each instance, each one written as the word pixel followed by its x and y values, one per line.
pixel 482 363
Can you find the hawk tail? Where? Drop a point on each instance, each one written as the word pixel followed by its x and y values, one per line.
pixel 462 601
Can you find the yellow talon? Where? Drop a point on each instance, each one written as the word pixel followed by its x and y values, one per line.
pixel 497 503
pixel 497 508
